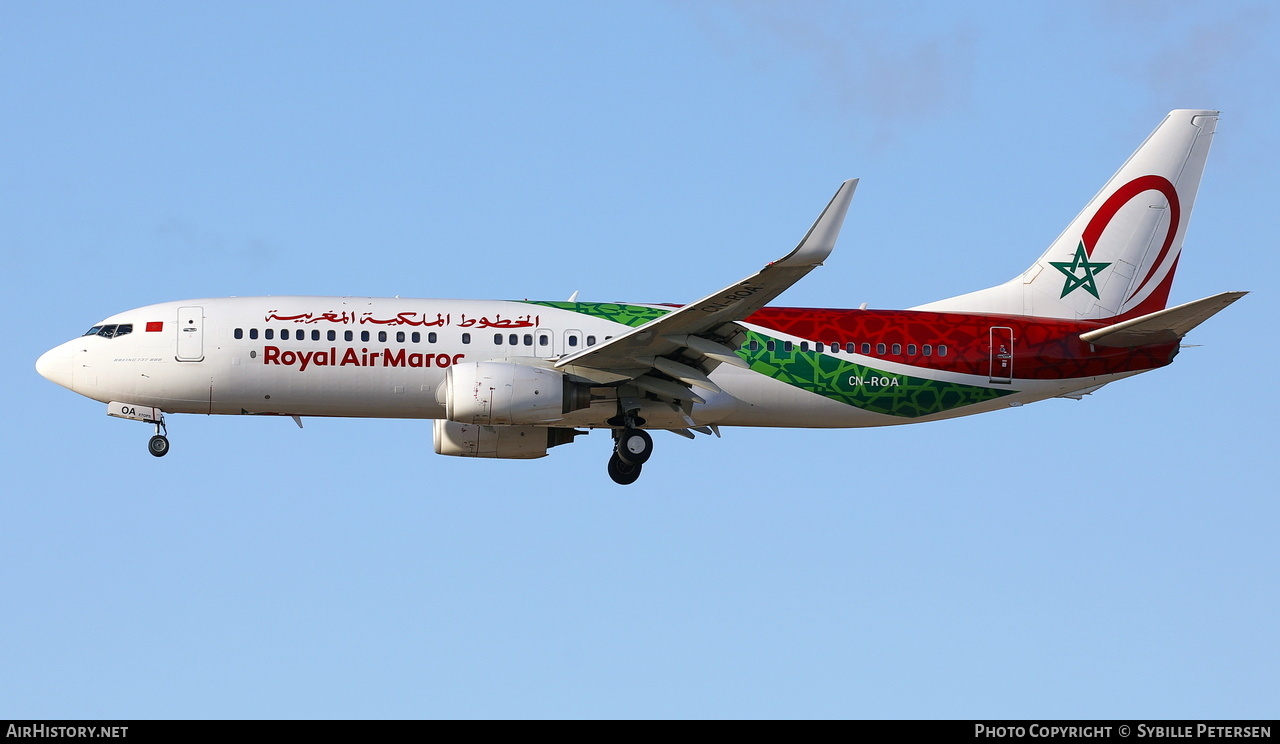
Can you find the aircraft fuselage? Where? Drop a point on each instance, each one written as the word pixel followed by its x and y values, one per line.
pixel 387 357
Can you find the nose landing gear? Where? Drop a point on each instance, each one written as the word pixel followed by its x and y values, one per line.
pixel 158 445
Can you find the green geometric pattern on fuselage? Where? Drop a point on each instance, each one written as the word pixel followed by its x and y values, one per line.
pixel 859 385
pixel 628 315
pixel 824 374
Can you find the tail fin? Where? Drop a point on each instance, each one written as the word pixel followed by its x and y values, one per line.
pixel 1117 257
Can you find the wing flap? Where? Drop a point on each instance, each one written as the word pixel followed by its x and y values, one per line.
pixel 666 388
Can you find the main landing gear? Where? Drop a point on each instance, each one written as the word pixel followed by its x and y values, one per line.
pixel 632 447
pixel 622 473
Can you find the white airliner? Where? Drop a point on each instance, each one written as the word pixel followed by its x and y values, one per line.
pixel 511 379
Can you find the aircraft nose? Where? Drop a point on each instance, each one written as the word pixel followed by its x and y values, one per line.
pixel 55 365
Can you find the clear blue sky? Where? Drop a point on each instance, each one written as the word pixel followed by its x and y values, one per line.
pixel 1114 557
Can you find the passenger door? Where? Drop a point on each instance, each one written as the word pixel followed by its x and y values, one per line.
pixel 1001 355
pixel 572 342
pixel 544 343
pixel 190 334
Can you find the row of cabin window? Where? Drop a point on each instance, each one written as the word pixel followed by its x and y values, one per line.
pixel 527 339
pixel 544 339
pixel 415 337
pixel 852 348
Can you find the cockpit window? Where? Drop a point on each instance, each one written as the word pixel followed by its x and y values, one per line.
pixel 110 331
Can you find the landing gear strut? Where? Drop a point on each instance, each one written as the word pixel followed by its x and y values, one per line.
pixel 159 444
pixel 632 447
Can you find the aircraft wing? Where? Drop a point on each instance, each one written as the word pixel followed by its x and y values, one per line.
pixel 691 331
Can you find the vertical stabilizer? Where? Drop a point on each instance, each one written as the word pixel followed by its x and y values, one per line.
pixel 1117 258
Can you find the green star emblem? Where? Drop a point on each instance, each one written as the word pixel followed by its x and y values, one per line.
pixel 1074 282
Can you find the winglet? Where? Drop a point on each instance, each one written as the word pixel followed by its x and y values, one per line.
pixel 632 353
pixel 821 238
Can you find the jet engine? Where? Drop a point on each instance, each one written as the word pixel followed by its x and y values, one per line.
pixel 506 442
pixel 505 394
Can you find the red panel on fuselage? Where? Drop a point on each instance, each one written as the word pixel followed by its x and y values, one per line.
pixel 1045 348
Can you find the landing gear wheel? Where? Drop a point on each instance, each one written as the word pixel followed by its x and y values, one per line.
pixel 158 446
pixel 634 446
pixel 622 473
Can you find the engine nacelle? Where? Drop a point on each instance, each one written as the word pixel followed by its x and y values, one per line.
pixel 508 442
pixel 507 394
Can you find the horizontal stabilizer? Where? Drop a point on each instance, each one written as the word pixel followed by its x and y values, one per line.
pixel 1162 326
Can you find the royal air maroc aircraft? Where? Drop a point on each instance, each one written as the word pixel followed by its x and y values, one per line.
pixel 512 379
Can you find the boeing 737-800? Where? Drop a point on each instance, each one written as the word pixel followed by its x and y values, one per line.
pixel 512 379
